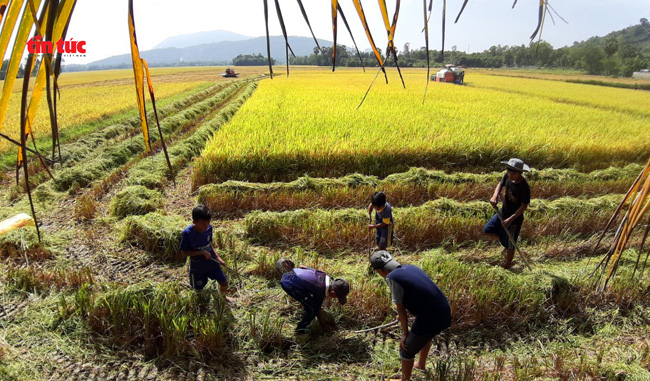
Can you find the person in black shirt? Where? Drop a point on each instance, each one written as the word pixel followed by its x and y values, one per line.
pixel 515 203
pixel 413 292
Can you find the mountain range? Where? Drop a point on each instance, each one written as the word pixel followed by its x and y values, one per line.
pixel 189 49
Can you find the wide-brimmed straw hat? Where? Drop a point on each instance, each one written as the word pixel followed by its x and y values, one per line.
pixel 516 165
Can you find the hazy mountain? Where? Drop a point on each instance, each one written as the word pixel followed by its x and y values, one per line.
pixel 200 38
pixel 218 53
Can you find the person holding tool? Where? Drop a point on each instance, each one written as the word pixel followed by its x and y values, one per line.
pixel 310 287
pixel 205 263
pixel 506 223
pixel 413 292
pixel 383 220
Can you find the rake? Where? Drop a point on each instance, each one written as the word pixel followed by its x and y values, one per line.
pixel 378 327
pixel 370 236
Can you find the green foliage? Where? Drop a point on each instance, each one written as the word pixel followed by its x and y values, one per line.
pixel 251 60
pixel 590 55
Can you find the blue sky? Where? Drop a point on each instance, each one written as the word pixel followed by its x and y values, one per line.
pixel 485 22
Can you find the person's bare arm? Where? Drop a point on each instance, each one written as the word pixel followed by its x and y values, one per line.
pixel 219 259
pixel 402 316
pixel 508 221
pixel 495 197
pixel 325 326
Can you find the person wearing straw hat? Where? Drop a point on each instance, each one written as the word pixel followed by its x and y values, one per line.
pixel 515 202
pixel 310 287
pixel 413 292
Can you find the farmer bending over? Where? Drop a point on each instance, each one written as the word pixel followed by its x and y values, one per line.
pixel 310 287
pixel 413 292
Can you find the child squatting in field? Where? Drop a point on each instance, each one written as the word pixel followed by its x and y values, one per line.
pixel 383 220
pixel 515 203
pixel 196 243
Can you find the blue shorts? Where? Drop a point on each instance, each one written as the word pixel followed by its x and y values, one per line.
pixel 494 227
pixel 382 238
pixel 201 271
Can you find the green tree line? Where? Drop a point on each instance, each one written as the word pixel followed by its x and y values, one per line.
pixel 615 55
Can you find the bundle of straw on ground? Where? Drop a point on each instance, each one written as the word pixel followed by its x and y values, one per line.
pixel 486 296
pixel 135 200
pixel 22 245
pixel 442 221
pixel 368 303
pixel 414 187
pixel 158 234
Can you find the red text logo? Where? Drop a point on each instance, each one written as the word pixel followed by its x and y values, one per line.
pixel 37 46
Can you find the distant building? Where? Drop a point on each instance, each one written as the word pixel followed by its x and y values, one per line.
pixel 643 74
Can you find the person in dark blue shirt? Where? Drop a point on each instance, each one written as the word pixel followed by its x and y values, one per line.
pixel 310 287
pixel 413 292
pixel 515 203
pixel 196 243
pixel 383 220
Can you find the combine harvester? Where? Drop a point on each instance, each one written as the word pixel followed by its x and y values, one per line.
pixel 450 74
pixel 230 73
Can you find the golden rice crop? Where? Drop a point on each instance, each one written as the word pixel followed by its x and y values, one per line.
pixel 308 124
pixel 624 100
pixel 86 97
pixel 560 75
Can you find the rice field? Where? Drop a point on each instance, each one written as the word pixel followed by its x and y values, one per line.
pixel 91 97
pixel 287 167
pixel 307 124
pixel 606 98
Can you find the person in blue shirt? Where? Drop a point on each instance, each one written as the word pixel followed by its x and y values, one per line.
pixel 310 287
pixel 413 292
pixel 196 243
pixel 383 220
